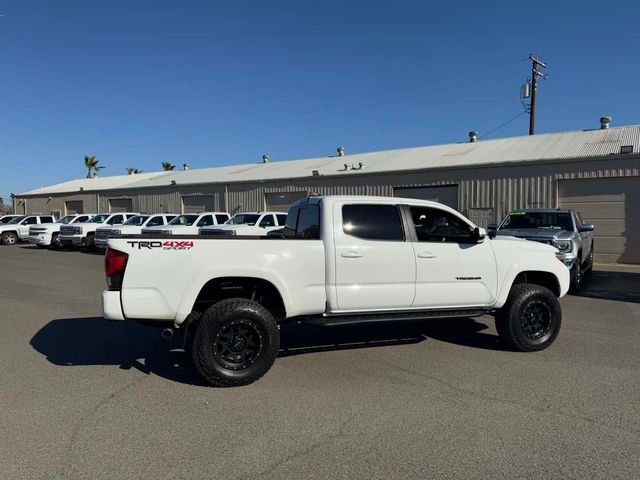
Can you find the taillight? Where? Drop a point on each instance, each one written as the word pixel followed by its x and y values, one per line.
pixel 115 262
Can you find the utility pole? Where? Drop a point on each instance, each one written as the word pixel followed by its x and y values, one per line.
pixel 535 73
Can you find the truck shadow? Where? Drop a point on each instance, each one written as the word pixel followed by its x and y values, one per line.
pixel 96 341
pixel 612 285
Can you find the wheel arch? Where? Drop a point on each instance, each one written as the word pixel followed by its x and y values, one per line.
pixel 543 278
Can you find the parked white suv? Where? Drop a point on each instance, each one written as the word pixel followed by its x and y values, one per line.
pixel 188 224
pixel 85 233
pixel 248 223
pixel 17 230
pixel 47 234
pixel 133 226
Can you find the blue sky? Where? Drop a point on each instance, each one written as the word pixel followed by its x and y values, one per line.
pixel 214 83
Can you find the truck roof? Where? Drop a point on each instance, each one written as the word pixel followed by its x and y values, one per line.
pixel 542 210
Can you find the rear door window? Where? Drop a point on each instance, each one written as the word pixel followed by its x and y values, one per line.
pixel 116 220
pixel 267 221
pixel 158 220
pixel 282 219
pixel 308 226
pixel 373 222
pixel 221 218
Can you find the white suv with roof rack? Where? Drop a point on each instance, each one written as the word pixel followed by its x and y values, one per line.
pixel 48 234
pixel 188 224
pixel 17 230
pixel 248 223
pixel 85 233
pixel 133 226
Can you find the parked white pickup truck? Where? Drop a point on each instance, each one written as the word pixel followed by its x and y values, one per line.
pixel 85 234
pixel 17 230
pixel 188 224
pixel 47 234
pixel 248 223
pixel 346 259
pixel 133 226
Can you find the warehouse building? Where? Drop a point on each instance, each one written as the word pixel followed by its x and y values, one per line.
pixel 595 171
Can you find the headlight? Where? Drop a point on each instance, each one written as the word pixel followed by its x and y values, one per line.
pixel 563 245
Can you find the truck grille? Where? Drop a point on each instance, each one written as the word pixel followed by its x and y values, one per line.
pixel 107 233
pixel 218 233
pixel 70 230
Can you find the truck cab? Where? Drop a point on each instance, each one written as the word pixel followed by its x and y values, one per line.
pixel 248 223
pixel 187 224
pixel 47 235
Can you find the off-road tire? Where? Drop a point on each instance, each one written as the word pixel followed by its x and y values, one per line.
pixel 212 363
pixel 9 238
pixel 513 317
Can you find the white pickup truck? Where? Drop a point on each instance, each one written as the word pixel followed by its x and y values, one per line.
pixel 17 229
pixel 133 226
pixel 248 223
pixel 85 233
pixel 187 224
pixel 346 259
pixel 47 234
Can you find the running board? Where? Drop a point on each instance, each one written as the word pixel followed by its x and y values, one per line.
pixel 348 319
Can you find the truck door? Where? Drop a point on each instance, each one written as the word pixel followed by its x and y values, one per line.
pixel 452 268
pixel 375 263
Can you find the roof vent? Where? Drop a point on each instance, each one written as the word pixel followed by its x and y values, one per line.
pixel 315 173
pixel 185 166
pixel 341 151
pixel 265 158
pixel 473 136
pixel 604 122
pixel 624 149
pixel 173 182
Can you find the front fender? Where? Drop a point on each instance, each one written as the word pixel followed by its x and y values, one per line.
pixel 560 272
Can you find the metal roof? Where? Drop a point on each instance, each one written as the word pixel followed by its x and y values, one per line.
pixel 549 146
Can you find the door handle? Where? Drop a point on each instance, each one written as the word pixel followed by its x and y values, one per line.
pixel 351 254
pixel 427 255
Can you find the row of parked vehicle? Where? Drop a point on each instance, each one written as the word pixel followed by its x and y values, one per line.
pixel 92 231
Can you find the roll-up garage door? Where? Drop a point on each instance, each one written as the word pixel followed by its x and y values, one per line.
pixel 281 201
pixel 447 195
pixel 73 207
pixel 611 204
pixel 119 205
pixel 198 203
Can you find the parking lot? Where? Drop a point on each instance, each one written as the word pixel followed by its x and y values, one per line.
pixel 82 397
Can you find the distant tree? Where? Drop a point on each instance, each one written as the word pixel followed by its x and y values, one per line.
pixel 133 171
pixel 91 163
pixel 167 167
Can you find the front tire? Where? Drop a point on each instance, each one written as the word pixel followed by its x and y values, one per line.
pixel 9 238
pixel 55 242
pixel 235 343
pixel 90 243
pixel 576 276
pixel 531 318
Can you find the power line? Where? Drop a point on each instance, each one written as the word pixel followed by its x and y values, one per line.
pixel 503 124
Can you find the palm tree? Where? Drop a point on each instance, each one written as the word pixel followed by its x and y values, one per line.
pixel 133 171
pixel 91 163
pixel 167 167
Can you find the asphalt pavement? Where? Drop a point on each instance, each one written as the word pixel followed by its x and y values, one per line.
pixel 82 397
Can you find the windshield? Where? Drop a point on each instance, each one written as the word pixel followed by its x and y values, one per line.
pixel 186 220
pixel 6 219
pixel 243 218
pixel 67 219
pixel 99 218
pixel 17 219
pixel 538 221
pixel 137 220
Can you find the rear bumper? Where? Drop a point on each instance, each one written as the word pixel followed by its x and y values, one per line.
pixel 111 306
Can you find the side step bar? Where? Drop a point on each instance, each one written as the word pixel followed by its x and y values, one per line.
pixel 348 319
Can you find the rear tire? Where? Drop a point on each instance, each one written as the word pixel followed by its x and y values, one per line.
pixel 531 318
pixel 235 343
pixel 9 238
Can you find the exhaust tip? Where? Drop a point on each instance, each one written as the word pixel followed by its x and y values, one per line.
pixel 167 333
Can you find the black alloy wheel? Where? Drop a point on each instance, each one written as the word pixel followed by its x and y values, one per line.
pixel 536 320
pixel 238 344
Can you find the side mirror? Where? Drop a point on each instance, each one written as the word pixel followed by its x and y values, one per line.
pixel 492 226
pixel 478 235
pixel 586 227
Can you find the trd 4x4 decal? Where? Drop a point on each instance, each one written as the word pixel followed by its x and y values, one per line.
pixel 167 245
